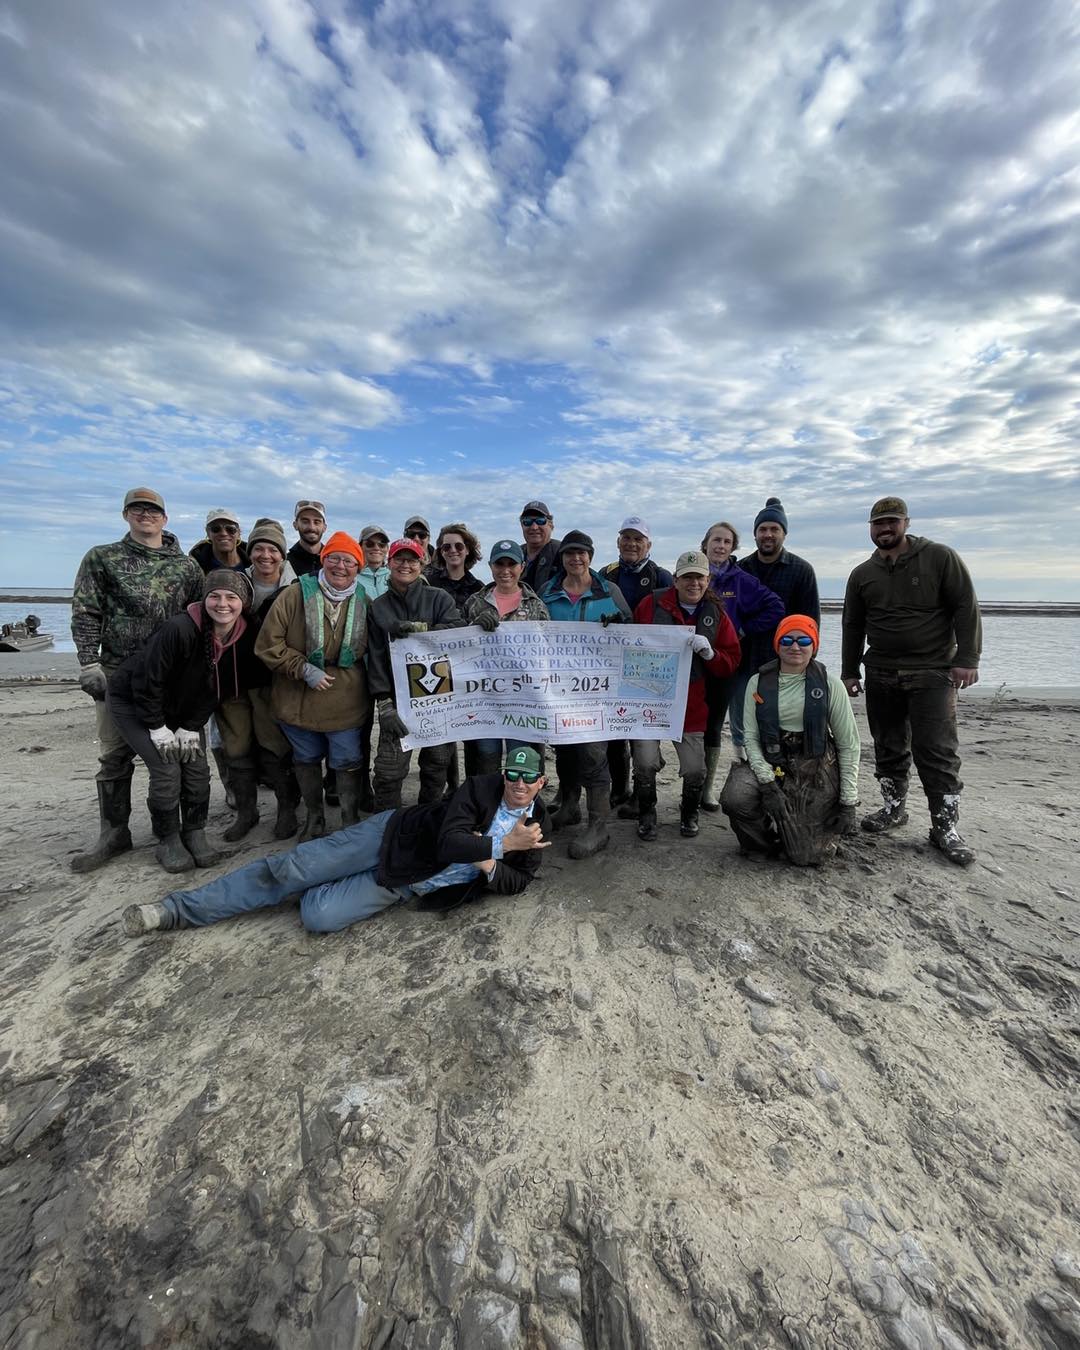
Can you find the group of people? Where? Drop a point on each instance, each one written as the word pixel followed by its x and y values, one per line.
pixel 280 656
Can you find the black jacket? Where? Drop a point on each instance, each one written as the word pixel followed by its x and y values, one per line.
pixel 421 840
pixel 303 562
pixel 421 603
pixel 169 681
pixel 203 553
pixel 543 567
pixel 458 591
pixel 791 578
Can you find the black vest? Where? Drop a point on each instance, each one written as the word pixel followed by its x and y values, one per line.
pixel 815 711
pixel 707 625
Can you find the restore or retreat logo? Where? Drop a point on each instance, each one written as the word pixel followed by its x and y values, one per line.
pixel 430 679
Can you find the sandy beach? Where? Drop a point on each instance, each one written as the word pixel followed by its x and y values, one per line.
pixel 668 1097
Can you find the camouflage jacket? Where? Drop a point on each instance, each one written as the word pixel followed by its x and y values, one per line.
pixel 124 592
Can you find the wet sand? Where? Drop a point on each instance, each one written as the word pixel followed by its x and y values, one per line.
pixel 667 1097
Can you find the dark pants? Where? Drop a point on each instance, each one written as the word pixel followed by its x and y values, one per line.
pixel 392 768
pixel 811 788
pixel 583 765
pixel 171 785
pixel 912 715
pixel 718 695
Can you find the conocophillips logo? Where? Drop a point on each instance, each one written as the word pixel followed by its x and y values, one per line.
pixel 429 680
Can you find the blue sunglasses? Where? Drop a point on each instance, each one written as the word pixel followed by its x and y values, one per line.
pixel 788 641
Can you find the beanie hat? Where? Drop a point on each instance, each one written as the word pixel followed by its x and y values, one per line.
pixel 340 542
pixel 772 510
pixel 796 623
pixel 228 579
pixel 267 531
pixel 576 539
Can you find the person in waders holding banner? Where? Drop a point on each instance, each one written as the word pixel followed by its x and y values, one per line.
pixel 799 786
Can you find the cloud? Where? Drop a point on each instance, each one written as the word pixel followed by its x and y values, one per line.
pixel 689 253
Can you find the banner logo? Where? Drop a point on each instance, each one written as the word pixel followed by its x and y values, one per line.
pixel 429 681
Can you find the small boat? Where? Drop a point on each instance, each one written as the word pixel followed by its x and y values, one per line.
pixel 24 636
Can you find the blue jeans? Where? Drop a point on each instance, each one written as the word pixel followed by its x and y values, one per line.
pixel 336 875
pixel 340 749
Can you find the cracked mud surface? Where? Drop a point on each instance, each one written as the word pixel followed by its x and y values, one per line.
pixel 668 1097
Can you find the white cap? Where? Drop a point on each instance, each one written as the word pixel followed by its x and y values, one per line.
pixel 635 523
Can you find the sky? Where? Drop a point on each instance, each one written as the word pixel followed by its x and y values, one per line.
pixel 660 257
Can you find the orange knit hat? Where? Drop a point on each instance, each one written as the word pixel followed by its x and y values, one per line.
pixel 801 623
pixel 340 542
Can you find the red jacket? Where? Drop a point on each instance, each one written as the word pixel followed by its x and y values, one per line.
pixel 713 623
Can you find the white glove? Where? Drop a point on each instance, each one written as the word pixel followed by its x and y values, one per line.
pixel 189 745
pixel 701 646
pixel 165 743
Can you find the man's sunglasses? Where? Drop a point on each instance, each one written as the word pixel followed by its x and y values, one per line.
pixel 788 641
pixel 535 520
pixel 522 775
pixel 417 534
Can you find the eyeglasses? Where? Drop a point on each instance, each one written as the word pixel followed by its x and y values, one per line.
pixel 535 520
pixel 219 527
pixel 788 641
pixel 336 560
pixel 453 548
pixel 151 512
pixel 520 775
pixel 404 560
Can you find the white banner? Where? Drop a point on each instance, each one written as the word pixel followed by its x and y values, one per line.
pixel 558 683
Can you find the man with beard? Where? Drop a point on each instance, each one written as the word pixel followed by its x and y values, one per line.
pixel 309 522
pixel 786 574
pixel 913 604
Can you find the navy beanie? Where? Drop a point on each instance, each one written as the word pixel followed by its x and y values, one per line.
pixel 772 510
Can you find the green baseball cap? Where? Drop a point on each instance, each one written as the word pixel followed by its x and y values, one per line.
pixel 887 507
pixel 525 758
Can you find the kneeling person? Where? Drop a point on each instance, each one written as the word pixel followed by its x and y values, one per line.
pixel 799 784
pixel 485 840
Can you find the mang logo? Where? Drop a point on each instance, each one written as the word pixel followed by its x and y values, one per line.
pixel 430 680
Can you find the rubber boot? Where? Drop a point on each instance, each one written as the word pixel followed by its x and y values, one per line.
pixel 139 919
pixel 594 836
pixel 618 758
pixel 569 812
pixel 194 811
pixel 892 812
pixel 223 773
pixel 330 791
pixel 310 779
pixel 631 810
pixel 646 811
pixel 114 810
pixel 286 794
pixel 710 794
pixel 365 793
pixel 944 818
pixel 170 852
pixel 688 808
pixel 245 788
pixel 348 786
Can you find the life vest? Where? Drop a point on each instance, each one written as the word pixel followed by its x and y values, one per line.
pixel 355 622
pixel 706 624
pixel 815 711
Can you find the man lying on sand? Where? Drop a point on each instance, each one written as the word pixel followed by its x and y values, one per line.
pixel 485 840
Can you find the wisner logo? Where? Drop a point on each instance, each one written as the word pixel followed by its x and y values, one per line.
pixel 576 723
pixel 429 680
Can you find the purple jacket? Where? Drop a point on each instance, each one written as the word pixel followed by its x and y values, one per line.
pixel 750 605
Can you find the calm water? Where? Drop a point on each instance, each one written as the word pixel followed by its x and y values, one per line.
pixel 1018 650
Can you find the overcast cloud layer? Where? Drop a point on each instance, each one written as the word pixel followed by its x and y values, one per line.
pixel 651 255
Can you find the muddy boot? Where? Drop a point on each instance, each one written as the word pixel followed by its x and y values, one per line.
pixel 646 811
pixel 223 773
pixel 365 794
pixel 688 808
pixel 114 810
pixel 193 812
pixel 348 786
pixel 892 812
pixel 594 836
pixel 944 818
pixel 170 852
pixel 631 810
pixel 286 794
pixel 139 919
pixel 329 783
pixel 246 791
pixel 618 757
pixel 310 778
pixel 569 812
pixel 710 794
